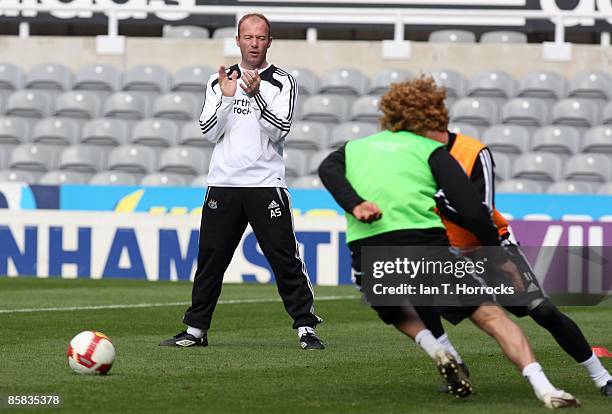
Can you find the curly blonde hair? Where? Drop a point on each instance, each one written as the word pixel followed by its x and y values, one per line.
pixel 416 106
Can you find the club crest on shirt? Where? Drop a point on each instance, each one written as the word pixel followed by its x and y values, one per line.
pixel 212 204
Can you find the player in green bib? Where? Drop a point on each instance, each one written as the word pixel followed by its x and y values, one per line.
pixel 399 160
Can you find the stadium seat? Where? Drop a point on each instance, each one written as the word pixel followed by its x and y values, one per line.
pixel 520 186
pixel 452 36
pixel 163 179
pixel 34 157
pixel 503 167
pixel 64 177
pixel 492 84
pixel 11 77
pixel 525 111
pixel 572 187
pixel 605 189
pixel 503 37
pixel 56 131
pixel 508 139
pixel 134 159
pixel 126 105
pixel 199 181
pixel 588 167
pixel 306 182
pixel 98 77
pixel 192 79
pixel 5 155
pixel 344 81
pixel 325 108
pixel 606 114
pixel 454 82
pixel 185 32
pixel 538 166
pixel 224 32
pixel 580 113
pixel 542 84
pixel 308 82
pixel 308 135
pixel 83 158
pixel 177 106
pixel 591 85
pixel 184 160
pixel 14 131
pixel 384 78
pixel 191 135
pixel 295 162
pixel 114 178
pixel 559 139
pixel 298 108
pixel 475 111
pixel 365 109
pixel 106 132
pixel 150 78
pixel 449 102
pixel 315 160
pixel 28 104
pixel 82 105
pixel 465 129
pixel 155 132
pixel 29 177
pixel 54 76
pixel 598 140
pixel 348 131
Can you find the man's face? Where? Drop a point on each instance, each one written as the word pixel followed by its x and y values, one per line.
pixel 253 42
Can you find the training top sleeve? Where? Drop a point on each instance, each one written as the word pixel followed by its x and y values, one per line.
pixel 332 173
pixel 275 116
pixel 483 178
pixel 462 195
pixel 215 112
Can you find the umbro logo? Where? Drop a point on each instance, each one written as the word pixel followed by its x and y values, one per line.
pixel 273 204
pixel 185 342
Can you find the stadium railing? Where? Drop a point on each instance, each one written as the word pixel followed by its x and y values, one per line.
pixel 398 17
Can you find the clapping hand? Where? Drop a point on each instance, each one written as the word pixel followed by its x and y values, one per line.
pixel 251 81
pixel 228 84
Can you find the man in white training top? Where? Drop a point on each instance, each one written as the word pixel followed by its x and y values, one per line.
pixel 247 114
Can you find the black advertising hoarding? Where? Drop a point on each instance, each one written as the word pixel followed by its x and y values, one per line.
pixel 216 19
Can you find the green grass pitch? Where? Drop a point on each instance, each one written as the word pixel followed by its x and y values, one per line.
pixel 254 363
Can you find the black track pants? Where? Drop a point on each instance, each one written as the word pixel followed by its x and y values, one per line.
pixel 225 215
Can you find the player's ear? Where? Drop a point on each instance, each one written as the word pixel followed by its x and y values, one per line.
pixel 238 40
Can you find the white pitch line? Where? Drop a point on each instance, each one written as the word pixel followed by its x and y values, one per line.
pixel 159 305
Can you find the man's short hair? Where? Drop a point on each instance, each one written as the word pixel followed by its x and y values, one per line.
pixel 417 106
pixel 258 15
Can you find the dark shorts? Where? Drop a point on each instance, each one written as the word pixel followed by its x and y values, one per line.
pixel 456 314
pixel 454 311
pixel 522 303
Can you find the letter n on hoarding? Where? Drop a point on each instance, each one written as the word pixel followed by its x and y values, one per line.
pixel 24 261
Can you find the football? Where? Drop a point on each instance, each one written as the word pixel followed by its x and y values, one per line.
pixel 91 352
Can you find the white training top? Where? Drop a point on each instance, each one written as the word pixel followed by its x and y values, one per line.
pixel 249 133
